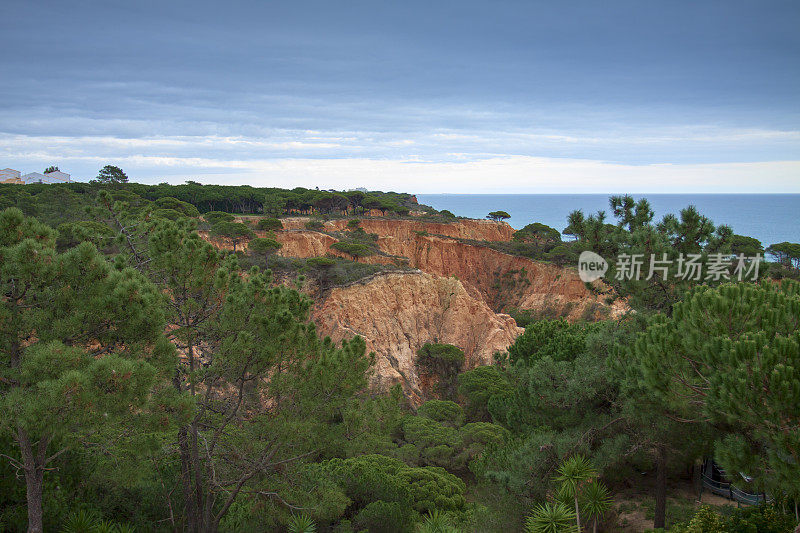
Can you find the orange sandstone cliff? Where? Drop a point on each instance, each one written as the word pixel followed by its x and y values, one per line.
pixel 456 296
pixel 397 313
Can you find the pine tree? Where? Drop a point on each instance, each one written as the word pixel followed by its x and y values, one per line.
pixel 77 339
pixel 263 386
pixel 729 357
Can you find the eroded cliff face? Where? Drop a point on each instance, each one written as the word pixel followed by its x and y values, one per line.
pixel 456 297
pixel 304 243
pixel 502 280
pixel 398 313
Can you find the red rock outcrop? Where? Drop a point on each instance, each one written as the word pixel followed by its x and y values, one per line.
pixel 304 243
pixel 397 313
pixel 504 281
pixel 453 298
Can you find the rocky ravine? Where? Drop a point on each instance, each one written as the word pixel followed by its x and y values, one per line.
pixel 453 297
pixel 504 281
pixel 397 313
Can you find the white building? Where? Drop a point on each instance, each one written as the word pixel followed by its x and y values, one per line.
pixel 57 177
pixel 9 175
pixel 12 176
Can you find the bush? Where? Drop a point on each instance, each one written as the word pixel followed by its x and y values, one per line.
pixel 73 233
pixel 482 434
pixel 315 224
pixel 353 249
pixel 380 516
pixel 385 493
pixel 766 518
pixel 523 317
pixel 185 208
pixel 170 214
pixel 269 224
pixel 434 488
pixel 215 217
pixel 480 384
pixel 557 339
pixel 443 411
pixel 423 432
pixel 704 521
pixel 443 361
pixel 540 234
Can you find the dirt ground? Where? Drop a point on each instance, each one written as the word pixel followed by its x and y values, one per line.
pixel 632 506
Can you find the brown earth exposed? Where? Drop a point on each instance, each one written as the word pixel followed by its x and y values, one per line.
pixel 397 313
pixel 455 297
pixel 504 281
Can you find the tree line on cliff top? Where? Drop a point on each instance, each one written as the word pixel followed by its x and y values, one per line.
pixel 240 199
pixel 150 381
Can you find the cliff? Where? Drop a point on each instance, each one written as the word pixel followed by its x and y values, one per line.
pixel 403 229
pixel 406 310
pixel 455 297
pixel 304 243
pixel 504 281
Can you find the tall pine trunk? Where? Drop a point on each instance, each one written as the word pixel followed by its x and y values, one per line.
pixel 189 502
pixel 661 487
pixel 33 466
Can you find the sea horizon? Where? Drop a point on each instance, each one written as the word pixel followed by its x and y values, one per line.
pixel 768 217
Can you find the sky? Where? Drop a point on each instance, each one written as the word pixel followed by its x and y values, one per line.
pixel 431 96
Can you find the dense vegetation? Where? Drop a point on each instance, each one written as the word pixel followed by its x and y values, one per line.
pixel 151 381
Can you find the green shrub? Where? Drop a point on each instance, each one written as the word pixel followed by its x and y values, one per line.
pixel 443 361
pixel 215 217
pixel 185 208
pixel 383 490
pixel 315 224
pixel 269 224
pixel 434 488
pixel 551 518
pixel 443 411
pixel 353 249
pixel 431 443
pixel 705 521
pixel 170 214
pixel 478 386
pixel 482 434
pixel 765 518
pixel 380 517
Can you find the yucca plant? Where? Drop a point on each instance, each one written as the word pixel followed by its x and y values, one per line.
pixel 301 523
pixel 552 517
pixel 573 473
pixel 105 526
pixel 84 521
pixel 81 521
pixel 436 522
pixel 596 500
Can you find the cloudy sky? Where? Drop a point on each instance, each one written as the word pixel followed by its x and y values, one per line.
pixel 429 96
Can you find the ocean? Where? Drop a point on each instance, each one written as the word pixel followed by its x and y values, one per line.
pixel 770 218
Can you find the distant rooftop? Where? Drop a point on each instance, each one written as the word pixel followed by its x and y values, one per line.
pixel 10 175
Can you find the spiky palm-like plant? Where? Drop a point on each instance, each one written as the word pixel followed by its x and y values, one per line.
pixel 80 521
pixel 573 473
pixel 302 523
pixel 436 522
pixel 596 501
pixel 551 518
